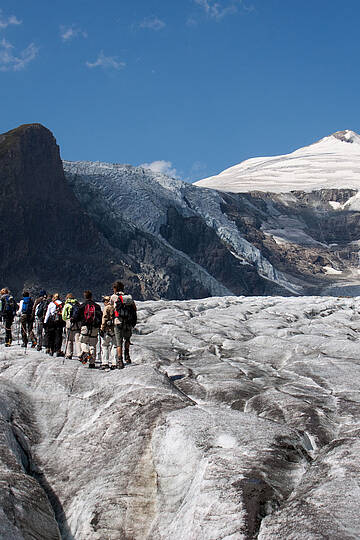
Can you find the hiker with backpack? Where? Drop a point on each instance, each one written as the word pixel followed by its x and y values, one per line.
pixel 54 325
pixel 107 337
pixel 72 342
pixel 125 318
pixel 26 320
pixel 38 313
pixel 89 315
pixel 8 312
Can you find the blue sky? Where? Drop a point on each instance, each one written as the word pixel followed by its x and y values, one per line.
pixel 190 86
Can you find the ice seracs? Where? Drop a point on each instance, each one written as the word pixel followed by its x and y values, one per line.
pixel 333 162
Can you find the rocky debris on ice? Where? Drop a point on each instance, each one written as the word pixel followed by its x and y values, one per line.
pixel 239 418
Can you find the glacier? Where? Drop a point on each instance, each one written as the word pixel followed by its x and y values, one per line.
pixel 154 193
pixel 238 419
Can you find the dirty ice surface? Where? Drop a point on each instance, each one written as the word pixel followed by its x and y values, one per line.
pixel 239 418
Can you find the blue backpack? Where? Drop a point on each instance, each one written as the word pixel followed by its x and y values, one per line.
pixel 8 305
pixel 27 305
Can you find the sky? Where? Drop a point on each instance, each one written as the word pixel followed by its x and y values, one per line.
pixel 188 87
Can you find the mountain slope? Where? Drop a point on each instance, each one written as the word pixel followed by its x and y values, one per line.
pixel 48 239
pixel 332 162
pixel 188 221
pixel 166 238
pixel 253 243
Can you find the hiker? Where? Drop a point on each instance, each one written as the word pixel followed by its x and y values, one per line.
pixel 89 315
pixel 38 314
pixel 72 343
pixel 125 319
pixel 54 325
pixel 26 320
pixel 8 312
pixel 107 337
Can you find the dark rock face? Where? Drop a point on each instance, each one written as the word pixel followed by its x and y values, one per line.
pixel 322 236
pixel 201 243
pixel 47 239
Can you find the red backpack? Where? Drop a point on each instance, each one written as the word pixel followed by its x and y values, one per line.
pixel 89 314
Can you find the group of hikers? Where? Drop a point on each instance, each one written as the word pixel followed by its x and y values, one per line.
pixel 45 321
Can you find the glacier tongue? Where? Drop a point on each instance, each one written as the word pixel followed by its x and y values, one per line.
pixel 238 418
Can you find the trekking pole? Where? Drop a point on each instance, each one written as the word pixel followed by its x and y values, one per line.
pixel 18 331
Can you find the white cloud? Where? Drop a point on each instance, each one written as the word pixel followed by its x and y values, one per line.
pixel 4 23
pixel 162 167
pixel 11 62
pixel 106 62
pixel 219 10
pixel 68 33
pixel 152 23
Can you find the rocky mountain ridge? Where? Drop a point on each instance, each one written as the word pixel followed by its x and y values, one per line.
pixel 166 238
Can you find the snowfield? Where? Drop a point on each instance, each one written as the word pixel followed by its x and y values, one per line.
pixel 332 162
pixel 239 418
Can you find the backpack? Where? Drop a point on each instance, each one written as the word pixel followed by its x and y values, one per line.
pixel 70 309
pixel 89 314
pixel 125 310
pixel 75 313
pixel 57 315
pixel 27 305
pixel 8 305
pixel 92 316
pixel 40 310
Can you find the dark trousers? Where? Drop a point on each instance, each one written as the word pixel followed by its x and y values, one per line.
pixel 8 320
pixel 54 337
pixel 40 332
pixel 27 329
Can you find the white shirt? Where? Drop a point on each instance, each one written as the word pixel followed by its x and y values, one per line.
pixel 51 310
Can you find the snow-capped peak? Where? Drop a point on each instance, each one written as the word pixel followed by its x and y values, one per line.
pixel 332 162
pixel 340 137
pixel 347 136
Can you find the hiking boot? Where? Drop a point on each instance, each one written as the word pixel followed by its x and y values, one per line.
pixel 120 364
pixel 38 348
pixel 60 353
pixel 92 365
pixel 113 367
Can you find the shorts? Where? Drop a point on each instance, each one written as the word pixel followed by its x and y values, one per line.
pixel 122 333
